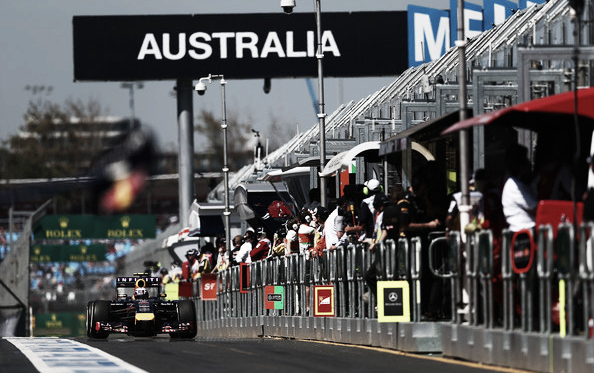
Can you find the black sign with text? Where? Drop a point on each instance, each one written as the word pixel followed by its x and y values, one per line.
pixel 393 302
pixel 239 46
pixel 522 251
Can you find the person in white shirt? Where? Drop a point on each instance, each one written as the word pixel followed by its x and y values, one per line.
pixel 222 258
pixel 334 229
pixel 517 198
pixel 243 255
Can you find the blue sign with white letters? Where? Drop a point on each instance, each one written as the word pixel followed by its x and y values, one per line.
pixel 428 34
pixel 431 32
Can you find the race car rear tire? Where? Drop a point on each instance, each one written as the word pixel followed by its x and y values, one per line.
pixel 97 311
pixel 186 313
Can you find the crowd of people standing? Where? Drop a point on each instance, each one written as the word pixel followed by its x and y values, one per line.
pixel 370 215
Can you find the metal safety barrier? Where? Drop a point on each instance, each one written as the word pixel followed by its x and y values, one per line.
pixel 344 268
pixel 552 294
pixel 508 297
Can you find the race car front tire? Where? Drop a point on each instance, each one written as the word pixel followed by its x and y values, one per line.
pixel 97 311
pixel 88 319
pixel 186 313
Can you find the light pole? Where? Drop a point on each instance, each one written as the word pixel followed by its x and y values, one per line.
pixel 288 6
pixel 130 87
pixel 200 88
pixel 463 139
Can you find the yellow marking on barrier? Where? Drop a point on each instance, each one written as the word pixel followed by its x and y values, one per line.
pixel 562 323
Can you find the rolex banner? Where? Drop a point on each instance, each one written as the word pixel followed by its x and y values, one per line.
pixel 68 253
pixel 76 227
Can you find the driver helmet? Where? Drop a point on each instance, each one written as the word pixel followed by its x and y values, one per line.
pixel 140 293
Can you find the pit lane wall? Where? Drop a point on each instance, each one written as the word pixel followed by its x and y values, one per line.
pixel 521 330
pixel 14 281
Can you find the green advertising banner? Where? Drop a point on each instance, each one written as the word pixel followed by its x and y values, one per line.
pixel 59 324
pixel 75 227
pixel 68 253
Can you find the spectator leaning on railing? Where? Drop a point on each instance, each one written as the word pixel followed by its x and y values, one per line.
pixel 321 214
pixel 262 247
pixel 334 228
pixel 243 255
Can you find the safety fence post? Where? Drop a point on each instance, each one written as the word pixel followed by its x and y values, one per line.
pixel 415 275
pixel 544 269
pixel 507 276
pixel 332 272
pixel 565 264
pixel 292 282
pixel 454 243
pixel 354 278
pixel 276 275
pixel 444 270
pixel 586 275
pixel 340 284
pixel 361 255
pixel 300 271
pixel 483 241
pixel 235 299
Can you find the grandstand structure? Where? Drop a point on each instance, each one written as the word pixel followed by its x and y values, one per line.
pixel 496 78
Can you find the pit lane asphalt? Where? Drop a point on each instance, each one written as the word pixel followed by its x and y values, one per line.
pixel 160 354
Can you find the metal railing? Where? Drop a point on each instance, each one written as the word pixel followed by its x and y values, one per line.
pixel 552 293
pixel 344 268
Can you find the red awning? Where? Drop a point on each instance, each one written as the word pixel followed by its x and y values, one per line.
pixel 534 114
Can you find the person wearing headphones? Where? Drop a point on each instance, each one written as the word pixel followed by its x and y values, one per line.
pixel 191 266
pixel 364 228
pixel 262 247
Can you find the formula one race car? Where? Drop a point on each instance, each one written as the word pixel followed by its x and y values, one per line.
pixel 144 313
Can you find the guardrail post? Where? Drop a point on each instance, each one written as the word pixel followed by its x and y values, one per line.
pixel 483 241
pixel 415 270
pixel 471 280
pixel 300 268
pixel 350 278
pixel 544 268
pixel 360 268
pixel 448 268
pixel 586 273
pixel 566 266
pixel 507 276
pixel 341 282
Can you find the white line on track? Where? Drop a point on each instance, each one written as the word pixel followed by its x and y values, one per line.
pixel 55 355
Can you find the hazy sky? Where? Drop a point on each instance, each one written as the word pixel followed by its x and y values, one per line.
pixel 36 50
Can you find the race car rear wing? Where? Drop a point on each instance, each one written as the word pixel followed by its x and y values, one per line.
pixel 131 282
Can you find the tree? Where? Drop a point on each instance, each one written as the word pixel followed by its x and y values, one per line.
pixel 278 133
pixel 239 153
pixel 240 139
pixel 55 141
